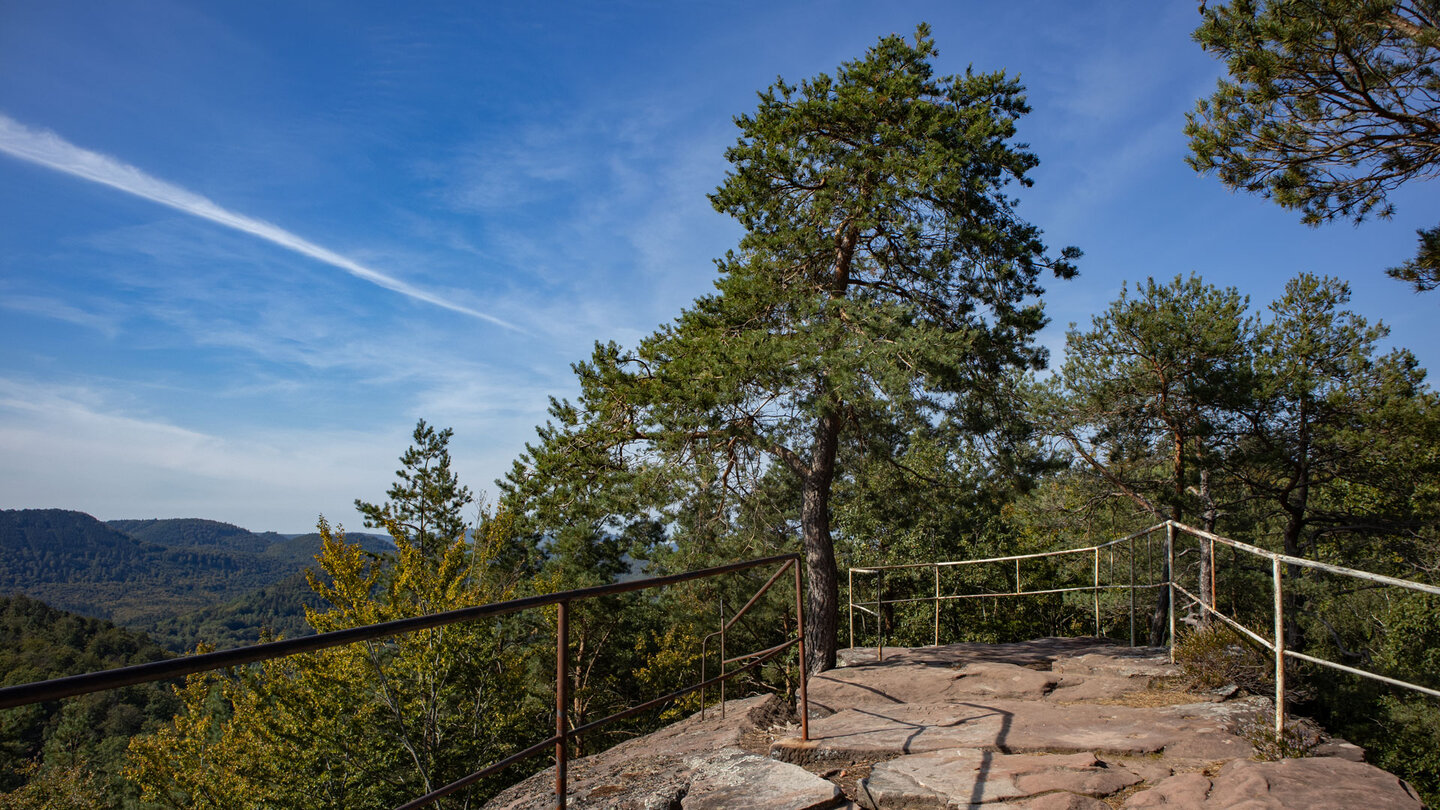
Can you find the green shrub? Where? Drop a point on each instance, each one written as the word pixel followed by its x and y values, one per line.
pixel 1213 657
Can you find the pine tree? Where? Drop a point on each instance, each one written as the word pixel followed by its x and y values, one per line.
pixel 425 505
pixel 884 278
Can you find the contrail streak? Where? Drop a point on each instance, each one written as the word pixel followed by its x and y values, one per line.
pixel 51 151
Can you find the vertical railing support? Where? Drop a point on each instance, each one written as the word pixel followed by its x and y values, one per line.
pixel 880 615
pixel 562 699
pixel 1097 592
pixel 937 605
pixel 850 590
pixel 1214 574
pixel 800 645
pixel 1276 569
pixel 1132 591
pixel 1170 580
pixel 722 656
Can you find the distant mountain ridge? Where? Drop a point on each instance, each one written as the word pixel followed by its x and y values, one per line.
pixel 195 533
pixel 183 580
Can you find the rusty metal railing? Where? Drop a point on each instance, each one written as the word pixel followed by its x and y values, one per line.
pixel 1275 643
pixel 725 625
pixel 55 689
pixel 874 607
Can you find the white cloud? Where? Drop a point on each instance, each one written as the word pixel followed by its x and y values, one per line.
pixel 64 448
pixel 55 309
pixel 72 448
pixel 50 150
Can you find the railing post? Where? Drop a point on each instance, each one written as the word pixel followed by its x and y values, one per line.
pixel 850 596
pixel 800 644
pixel 1214 574
pixel 1275 568
pixel 1097 592
pixel 937 604
pixel 1170 580
pixel 1132 590
pixel 562 699
pixel 722 655
pixel 880 615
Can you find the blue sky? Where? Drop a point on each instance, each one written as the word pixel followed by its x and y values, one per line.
pixel 244 246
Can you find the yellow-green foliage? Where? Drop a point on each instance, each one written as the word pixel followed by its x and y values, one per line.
pixel 366 725
pixel 71 788
pixel 675 662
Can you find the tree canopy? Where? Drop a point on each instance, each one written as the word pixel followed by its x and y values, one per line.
pixel 426 501
pixel 884 278
pixel 1330 105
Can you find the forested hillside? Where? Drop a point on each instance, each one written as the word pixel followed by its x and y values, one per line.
pixel 184 580
pixel 195 533
pixel 864 386
pixel 78 744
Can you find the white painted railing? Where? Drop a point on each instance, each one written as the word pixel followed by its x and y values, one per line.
pixel 1273 642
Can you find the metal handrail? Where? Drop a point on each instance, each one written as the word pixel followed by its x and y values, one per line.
pixel 1275 644
pixel 725 625
pixel 937 598
pixel 57 688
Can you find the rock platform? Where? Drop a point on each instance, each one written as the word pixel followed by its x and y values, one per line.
pixel 1052 724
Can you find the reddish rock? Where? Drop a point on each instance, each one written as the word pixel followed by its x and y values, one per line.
pixel 1082 689
pixel 1121 662
pixel 1012 726
pixel 742 781
pixel 1003 680
pixel 1290 784
pixel 966 777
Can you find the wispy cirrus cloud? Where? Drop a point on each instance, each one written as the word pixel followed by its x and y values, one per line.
pixel 58 310
pixel 47 149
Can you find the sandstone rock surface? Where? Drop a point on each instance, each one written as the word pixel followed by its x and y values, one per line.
pixel 966 777
pixel 1010 726
pixel 1053 724
pixel 695 764
pixel 1319 783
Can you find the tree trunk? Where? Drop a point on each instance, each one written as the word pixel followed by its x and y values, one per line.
pixel 1295 508
pixel 1160 615
pixel 822 600
pixel 1207 548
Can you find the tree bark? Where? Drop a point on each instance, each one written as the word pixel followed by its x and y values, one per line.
pixel 1207 548
pixel 822 599
pixel 1160 616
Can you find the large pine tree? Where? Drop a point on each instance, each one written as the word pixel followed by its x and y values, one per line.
pixel 884 278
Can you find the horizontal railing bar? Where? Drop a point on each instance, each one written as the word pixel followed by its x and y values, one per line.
pixel 768 653
pixel 466 781
pixel 1301 561
pixel 1362 673
pixel 57 688
pixel 1261 640
pixel 875 569
pixel 993 594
